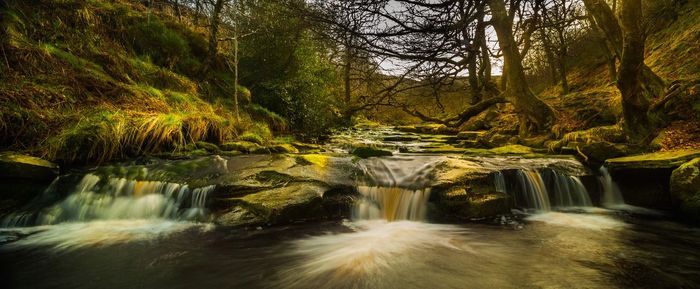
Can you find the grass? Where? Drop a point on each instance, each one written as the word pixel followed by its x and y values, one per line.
pixel 89 81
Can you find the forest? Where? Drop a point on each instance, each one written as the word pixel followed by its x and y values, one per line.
pixel 342 143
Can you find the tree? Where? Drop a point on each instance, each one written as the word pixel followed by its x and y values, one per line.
pixel 438 42
pixel 533 112
pixel 634 104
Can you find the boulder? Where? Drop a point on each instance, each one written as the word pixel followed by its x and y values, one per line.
pixel 241 146
pixel 685 188
pixel 293 203
pixel 15 165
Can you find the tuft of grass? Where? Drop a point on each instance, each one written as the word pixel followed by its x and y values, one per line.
pixel 276 122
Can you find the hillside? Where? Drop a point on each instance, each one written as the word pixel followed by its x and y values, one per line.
pixel 100 80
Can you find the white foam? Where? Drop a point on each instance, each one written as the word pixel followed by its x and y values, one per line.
pixel 583 221
pixel 67 236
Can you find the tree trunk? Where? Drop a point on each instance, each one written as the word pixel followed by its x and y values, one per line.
pixel 213 34
pixel 347 69
pixel 485 58
pixel 562 61
pixel 533 112
pixel 605 19
pixel 634 104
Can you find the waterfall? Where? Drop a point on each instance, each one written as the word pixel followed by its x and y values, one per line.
pixel 499 182
pixel 394 188
pixel 119 199
pixel 542 190
pixel 533 190
pixel 611 197
pixel 391 204
pixel 568 191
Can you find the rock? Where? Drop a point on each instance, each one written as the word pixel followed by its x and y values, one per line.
pixel 210 147
pixel 242 146
pixel 596 152
pixel 402 138
pixel 658 160
pixel 293 203
pixel 685 188
pixel 462 204
pixel 366 152
pixel 15 165
pixel 284 149
pixel 470 135
pixel 307 147
pixel 428 129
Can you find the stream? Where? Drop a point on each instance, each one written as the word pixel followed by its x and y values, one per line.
pixel 119 232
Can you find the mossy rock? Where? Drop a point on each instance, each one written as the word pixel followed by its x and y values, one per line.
pixel 284 149
pixel 306 146
pixel 16 165
pixel 596 152
pixel 402 138
pixel 251 137
pixel 658 160
pixel 210 147
pixel 461 203
pixel 293 203
pixel 367 152
pixel 685 188
pixel 242 146
pixel 470 135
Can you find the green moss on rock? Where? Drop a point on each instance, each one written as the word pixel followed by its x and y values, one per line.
pixel 15 165
pixel 685 188
pixel 366 152
pixel 658 160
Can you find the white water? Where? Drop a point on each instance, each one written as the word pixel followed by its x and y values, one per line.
pixel 118 199
pixel 372 247
pixel 569 191
pixel 533 189
pixel 581 221
pixel 395 188
pixel 611 197
pixel 68 236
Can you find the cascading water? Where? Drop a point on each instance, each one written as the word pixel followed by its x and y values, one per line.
pixel 542 190
pixel 395 188
pixel 119 199
pixel 611 197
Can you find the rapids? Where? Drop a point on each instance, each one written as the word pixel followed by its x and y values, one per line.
pixel 140 231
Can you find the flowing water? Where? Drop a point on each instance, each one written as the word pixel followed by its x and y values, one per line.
pixel 116 232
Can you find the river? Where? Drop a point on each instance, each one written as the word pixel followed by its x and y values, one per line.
pixel 149 234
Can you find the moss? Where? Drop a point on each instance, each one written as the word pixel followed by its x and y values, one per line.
pixel 667 159
pixel 511 149
pixel 316 159
pixel 284 148
pixel 367 152
pixel 242 146
pixel 685 188
pixel 252 137
pixel 209 147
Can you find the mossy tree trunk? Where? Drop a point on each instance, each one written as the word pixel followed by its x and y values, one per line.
pixel 533 113
pixel 604 18
pixel 634 103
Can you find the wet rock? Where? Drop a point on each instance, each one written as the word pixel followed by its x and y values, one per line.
pixel 658 160
pixel 209 147
pixel 284 148
pixel 402 138
pixel 596 152
pixel 241 146
pixel 461 203
pixel 685 188
pixel 366 152
pixel 292 203
pixel 15 165
pixel 470 135
pixel 307 147
pixel 428 129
